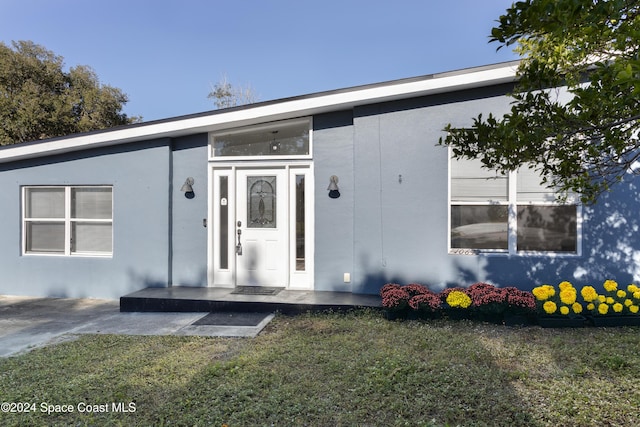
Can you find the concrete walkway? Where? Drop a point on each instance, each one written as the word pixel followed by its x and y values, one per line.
pixel 27 323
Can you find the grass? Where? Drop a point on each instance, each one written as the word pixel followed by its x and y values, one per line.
pixel 338 370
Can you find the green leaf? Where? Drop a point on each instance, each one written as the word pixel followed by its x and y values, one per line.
pixel 557 39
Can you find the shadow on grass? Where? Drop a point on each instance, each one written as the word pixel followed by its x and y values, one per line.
pixel 357 369
pixel 579 377
pixel 339 369
pixel 108 379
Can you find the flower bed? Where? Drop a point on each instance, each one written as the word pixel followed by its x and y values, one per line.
pixel 549 306
pixel 480 301
pixel 558 307
pixel 617 306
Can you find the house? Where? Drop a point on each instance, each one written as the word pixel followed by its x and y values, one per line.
pixel 343 190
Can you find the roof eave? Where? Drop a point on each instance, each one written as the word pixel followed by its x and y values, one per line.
pixel 269 111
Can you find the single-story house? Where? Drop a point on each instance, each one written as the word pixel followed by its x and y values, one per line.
pixel 344 190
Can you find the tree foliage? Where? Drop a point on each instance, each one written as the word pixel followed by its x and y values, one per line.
pixel 226 95
pixel 583 142
pixel 39 100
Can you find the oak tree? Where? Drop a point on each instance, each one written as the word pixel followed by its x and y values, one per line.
pixel 39 99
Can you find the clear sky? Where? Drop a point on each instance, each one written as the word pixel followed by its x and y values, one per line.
pixel 166 55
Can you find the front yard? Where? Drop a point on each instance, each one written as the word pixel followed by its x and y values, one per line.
pixel 334 370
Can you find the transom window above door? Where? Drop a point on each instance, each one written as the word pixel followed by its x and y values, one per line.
pixel 286 139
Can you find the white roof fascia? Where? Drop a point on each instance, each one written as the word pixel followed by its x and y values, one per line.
pixel 268 111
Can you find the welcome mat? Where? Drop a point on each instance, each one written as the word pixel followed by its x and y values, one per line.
pixel 256 290
pixel 231 319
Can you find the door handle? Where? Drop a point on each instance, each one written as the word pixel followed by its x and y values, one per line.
pixel 239 233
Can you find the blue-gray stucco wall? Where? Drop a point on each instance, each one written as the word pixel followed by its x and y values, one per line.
pixel 189 236
pixel 391 222
pixel 333 154
pixel 139 176
pixel 158 239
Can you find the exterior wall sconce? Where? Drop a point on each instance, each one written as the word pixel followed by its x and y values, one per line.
pixel 334 191
pixel 187 187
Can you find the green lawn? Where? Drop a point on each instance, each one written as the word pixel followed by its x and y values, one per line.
pixel 336 370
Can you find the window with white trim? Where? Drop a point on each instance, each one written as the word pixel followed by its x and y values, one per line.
pixel 285 139
pixel 508 213
pixel 67 220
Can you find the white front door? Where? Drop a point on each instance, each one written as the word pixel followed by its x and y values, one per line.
pixel 262 227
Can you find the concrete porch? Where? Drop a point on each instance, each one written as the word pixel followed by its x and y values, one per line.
pixel 190 299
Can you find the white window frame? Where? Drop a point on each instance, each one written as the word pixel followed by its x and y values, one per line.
pixel 67 220
pixel 262 128
pixel 512 204
pixel 301 279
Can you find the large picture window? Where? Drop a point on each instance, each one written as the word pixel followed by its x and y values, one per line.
pixel 68 220
pixel 507 213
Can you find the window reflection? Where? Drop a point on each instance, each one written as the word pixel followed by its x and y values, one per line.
pixel 300 224
pixel 286 140
pixel 262 201
pixel 547 228
pixel 479 227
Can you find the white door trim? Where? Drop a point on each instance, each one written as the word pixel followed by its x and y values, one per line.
pixel 300 268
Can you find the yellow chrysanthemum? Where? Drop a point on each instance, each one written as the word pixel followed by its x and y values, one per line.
pixel 610 285
pixel 636 294
pixel 603 308
pixel 568 295
pixel 541 293
pixel 633 288
pixel 458 299
pixel 576 307
pixel 591 306
pixel 565 285
pixel 549 307
pixel 621 294
pixel 628 302
pixel 633 308
pixel 589 293
pixel 617 307
pixel 564 310
pixel 602 298
pixel 609 300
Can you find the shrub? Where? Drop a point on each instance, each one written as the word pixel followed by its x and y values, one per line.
pixel 416 289
pixel 614 301
pixel 561 301
pixel 486 302
pixel 486 295
pixel 394 297
pixel 519 301
pixel 458 298
pixel 427 303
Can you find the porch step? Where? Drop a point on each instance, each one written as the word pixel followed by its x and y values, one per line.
pixel 190 299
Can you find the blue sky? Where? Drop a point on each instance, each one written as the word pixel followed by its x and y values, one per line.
pixel 166 55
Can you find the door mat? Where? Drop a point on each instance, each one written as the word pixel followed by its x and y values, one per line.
pixel 256 290
pixel 231 319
